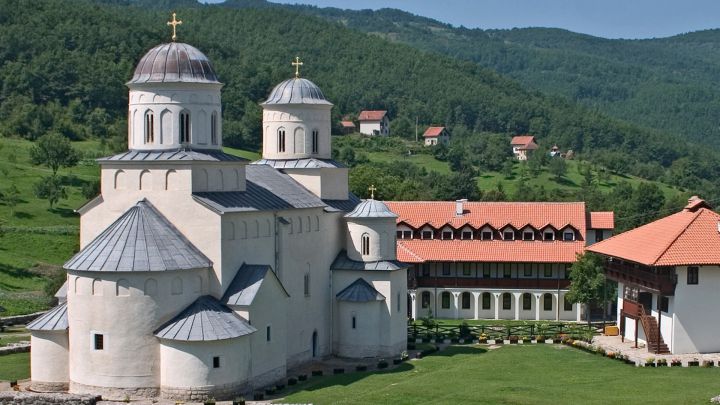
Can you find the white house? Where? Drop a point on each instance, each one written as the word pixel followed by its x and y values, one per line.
pixel 668 275
pixel 494 260
pixel 436 135
pixel 523 146
pixel 202 275
pixel 374 123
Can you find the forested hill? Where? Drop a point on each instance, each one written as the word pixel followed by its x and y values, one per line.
pixel 63 65
pixel 671 84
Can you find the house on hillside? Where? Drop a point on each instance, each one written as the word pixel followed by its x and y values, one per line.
pixel 522 146
pixel 555 151
pixel 374 123
pixel 436 136
pixel 347 127
pixel 668 275
pixel 493 260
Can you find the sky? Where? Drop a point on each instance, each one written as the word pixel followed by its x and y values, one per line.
pixel 603 18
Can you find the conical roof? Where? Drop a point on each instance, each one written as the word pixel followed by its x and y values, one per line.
pixel 206 319
pixel 142 239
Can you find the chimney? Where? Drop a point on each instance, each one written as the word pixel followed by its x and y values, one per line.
pixel 459 207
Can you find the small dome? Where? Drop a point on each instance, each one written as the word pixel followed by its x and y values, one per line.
pixel 173 63
pixel 371 209
pixel 296 91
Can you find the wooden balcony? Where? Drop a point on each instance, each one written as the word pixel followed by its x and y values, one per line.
pixel 659 280
pixel 506 283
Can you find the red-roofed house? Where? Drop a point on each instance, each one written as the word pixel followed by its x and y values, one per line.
pixel 348 127
pixel 668 275
pixel 522 146
pixel 374 123
pixel 493 260
pixel 436 135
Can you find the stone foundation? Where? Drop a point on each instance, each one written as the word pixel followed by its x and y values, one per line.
pixel 44 386
pixel 32 398
pixel 269 378
pixel 219 392
pixel 115 393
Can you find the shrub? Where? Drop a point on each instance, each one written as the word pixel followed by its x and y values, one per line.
pixel 382 364
pixel 317 373
pixel 238 401
pixel 258 396
pixel 209 401
pixel 292 381
pixel 708 363
pixel 650 362
pixel 338 370
pixel 397 361
pixel 662 362
pixel 270 391
pixel 302 377
pixel 361 367
pixel 279 387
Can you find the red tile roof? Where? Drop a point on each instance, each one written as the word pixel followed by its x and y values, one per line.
pixel 496 214
pixel 372 115
pixel 601 220
pixel 347 124
pixel 689 237
pixel 432 132
pixel 457 250
pixel 522 140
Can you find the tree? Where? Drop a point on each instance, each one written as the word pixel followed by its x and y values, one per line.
pixel 54 151
pixel 11 198
pixel 558 168
pixel 507 168
pixel 587 281
pixel 50 188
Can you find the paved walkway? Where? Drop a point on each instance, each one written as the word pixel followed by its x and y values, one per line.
pixel 640 354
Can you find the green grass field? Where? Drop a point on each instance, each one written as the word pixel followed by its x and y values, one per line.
pixel 15 367
pixel 537 374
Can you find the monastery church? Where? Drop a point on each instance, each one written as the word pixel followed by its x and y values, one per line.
pixel 202 274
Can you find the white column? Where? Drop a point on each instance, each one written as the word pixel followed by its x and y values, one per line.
pixel 497 305
pixel 537 306
pixel 517 305
pixel 413 308
pixel 457 305
pixel 556 296
pixel 476 296
pixel 578 308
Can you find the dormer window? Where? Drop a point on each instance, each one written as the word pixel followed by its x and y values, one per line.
pixel 184 127
pixel 568 234
pixel 315 135
pixel 467 234
pixel 447 234
pixel 528 234
pixel 404 234
pixel 149 127
pixel 486 234
pixel 426 233
pixel 548 234
pixel 281 140
pixel 508 234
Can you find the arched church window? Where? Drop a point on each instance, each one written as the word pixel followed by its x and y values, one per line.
pixel 184 127
pixel 213 129
pixel 177 286
pixel 315 141
pixel 149 126
pixel 281 140
pixel 365 244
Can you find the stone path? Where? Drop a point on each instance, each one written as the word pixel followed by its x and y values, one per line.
pixel 640 355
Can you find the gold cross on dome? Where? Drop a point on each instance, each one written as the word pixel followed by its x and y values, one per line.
pixel 297 65
pixel 174 23
pixel 372 191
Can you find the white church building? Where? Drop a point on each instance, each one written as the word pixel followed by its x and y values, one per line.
pixel 200 274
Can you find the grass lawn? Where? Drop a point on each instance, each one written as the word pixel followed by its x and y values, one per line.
pixel 15 367
pixel 537 374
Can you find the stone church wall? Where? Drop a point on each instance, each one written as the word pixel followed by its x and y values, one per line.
pixel 34 398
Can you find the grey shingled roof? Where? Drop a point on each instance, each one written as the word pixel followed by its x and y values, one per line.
pixel 142 239
pixel 246 284
pixel 296 91
pixel 307 163
pixel 174 62
pixel 359 291
pixel 54 319
pixel 371 209
pixel 342 262
pixel 266 190
pixel 343 205
pixel 206 319
pixel 205 155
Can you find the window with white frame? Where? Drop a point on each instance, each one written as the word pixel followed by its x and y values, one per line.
pixel 427 233
pixel 467 233
pixel 508 234
pixel 548 234
pixel 447 233
pixel 486 234
pixel 568 234
pixel 528 234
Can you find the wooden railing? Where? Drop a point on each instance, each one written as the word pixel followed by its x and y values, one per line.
pixel 642 276
pixel 510 283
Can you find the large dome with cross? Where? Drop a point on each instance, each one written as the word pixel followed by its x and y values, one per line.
pixel 172 63
pixel 296 91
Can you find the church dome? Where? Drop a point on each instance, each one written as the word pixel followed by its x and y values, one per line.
pixel 371 209
pixel 174 62
pixel 296 91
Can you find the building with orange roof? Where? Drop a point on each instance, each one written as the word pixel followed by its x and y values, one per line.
pixel 668 277
pixel 436 135
pixel 374 123
pixel 522 146
pixel 494 260
pixel 347 126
